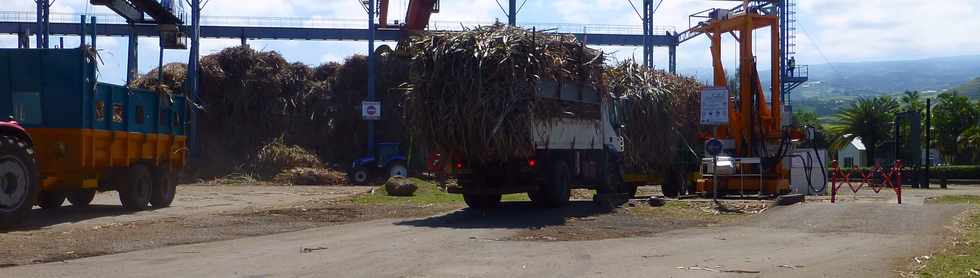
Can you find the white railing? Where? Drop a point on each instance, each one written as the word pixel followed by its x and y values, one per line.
pixel 318 22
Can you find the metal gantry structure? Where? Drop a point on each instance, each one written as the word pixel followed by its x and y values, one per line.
pixel 791 74
pixel 168 24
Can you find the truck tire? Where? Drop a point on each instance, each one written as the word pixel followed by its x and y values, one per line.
pixel 81 197
pixel 135 191
pixel 556 190
pixel 50 199
pixel 477 201
pixel 358 176
pixel 19 182
pixel 164 187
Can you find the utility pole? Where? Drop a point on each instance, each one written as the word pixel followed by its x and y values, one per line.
pixel 43 18
pixel 371 73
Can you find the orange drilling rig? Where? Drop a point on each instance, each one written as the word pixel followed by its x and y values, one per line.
pixel 756 137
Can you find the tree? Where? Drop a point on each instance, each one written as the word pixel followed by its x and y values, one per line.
pixel 969 141
pixel 805 118
pixel 951 116
pixel 868 118
pixel 912 101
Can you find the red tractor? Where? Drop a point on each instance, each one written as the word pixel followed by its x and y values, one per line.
pixel 19 183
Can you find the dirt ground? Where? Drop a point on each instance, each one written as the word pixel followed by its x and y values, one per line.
pixel 200 213
pixel 316 230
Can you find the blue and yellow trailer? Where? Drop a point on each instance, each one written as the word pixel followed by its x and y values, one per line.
pixel 90 136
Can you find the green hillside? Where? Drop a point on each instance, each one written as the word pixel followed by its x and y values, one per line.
pixel 970 89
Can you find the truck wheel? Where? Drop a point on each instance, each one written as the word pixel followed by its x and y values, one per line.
pixel 476 201
pixel 18 180
pixel 50 200
pixel 358 176
pixel 397 169
pixel 629 189
pixel 555 193
pixel 134 193
pixel 81 197
pixel 164 188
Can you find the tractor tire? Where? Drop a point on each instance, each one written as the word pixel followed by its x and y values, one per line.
pixel 629 189
pixel 556 190
pixel 81 198
pixel 19 181
pixel 164 187
pixel 475 201
pixel 359 176
pixel 672 185
pixel 136 187
pixel 50 199
pixel 397 169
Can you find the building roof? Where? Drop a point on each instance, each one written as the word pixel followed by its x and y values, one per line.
pixel 858 144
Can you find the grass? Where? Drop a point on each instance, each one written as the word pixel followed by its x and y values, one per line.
pixel 684 210
pixel 962 259
pixel 428 194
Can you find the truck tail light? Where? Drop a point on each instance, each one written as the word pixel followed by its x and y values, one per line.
pixel 532 163
pixel 459 165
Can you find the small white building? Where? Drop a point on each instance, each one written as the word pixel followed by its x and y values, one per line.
pixel 852 154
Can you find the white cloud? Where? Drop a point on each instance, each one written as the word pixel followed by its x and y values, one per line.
pixel 843 30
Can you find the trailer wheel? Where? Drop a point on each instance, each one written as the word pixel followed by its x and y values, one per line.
pixel 18 180
pixel 477 201
pixel 555 193
pixel 358 176
pixel 134 193
pixel 81 197
pixel 50 199
pixel 164 187
pixel 671 186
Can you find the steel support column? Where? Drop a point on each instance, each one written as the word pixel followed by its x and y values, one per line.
pixel 132 64
pixel 43 22
pixel 673 59
pixel 192 75
pixel 24 38
pixel 648 33
pixel 512 13
pixel 371 74
pixel 783 41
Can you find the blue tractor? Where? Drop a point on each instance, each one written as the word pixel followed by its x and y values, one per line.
pixel 387 161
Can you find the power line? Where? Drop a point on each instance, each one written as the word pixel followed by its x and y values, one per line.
pixel 822 56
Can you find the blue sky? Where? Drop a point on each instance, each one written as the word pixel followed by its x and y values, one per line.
pixel 829 30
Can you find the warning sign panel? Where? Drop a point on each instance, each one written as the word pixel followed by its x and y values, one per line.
pixel 371 110
pixel 714 106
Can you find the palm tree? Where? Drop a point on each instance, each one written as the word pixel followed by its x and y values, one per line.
pixel 868 118
pixel 912 101
pixel 969 141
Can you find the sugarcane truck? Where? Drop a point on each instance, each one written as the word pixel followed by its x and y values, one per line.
pixel 572 151
pixel 69 136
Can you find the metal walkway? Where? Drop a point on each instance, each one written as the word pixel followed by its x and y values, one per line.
pixel 297 28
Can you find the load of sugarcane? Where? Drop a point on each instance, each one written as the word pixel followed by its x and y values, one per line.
pixel 472 94
pixel 660 111
pixel 251 98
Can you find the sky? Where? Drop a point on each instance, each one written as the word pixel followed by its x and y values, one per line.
pixel 828 31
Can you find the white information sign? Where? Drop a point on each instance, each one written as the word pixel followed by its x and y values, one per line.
pixel 714 106
pixel 371 110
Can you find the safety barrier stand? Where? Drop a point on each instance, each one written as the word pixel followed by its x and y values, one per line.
pixel 876 178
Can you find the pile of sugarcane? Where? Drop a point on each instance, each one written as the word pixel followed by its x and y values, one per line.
pixel 472 94
pixel 661 114
pixel 251 98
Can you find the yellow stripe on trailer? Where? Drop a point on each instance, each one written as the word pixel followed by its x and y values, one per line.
pixel 71 158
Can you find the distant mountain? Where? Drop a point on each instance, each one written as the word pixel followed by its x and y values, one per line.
pixel 875 78
pixel 971 89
